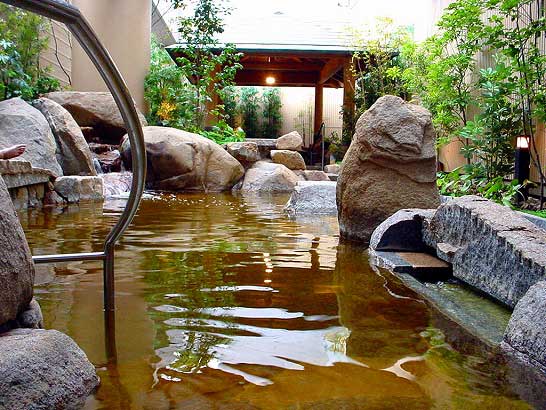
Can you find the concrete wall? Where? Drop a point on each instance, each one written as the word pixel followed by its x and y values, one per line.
pixel 124 27
pixel 58 55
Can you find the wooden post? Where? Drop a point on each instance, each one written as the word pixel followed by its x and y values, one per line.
pixel 319 88
pixel 348 98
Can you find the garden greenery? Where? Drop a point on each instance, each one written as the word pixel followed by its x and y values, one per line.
pixel 484 108
pixel 272 118
pixel 21 42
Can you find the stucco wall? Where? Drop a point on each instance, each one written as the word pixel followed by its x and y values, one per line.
pixel 123 26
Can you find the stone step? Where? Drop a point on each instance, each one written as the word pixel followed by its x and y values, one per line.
pixel 421 265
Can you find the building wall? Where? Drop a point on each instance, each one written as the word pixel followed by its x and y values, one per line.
pixel 58 55
pixel 124 27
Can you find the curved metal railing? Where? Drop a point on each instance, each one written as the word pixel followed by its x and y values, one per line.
pixel 63 12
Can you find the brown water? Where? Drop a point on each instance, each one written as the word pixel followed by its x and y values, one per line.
pixel 224 303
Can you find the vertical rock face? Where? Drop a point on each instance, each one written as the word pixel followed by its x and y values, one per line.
pixel 16 267
pixel 526 331
pixel 20 123
pixel 390 165
pixel 490 246
pixel 73 152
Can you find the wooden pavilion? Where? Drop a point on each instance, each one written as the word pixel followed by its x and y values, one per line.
pixel 289 65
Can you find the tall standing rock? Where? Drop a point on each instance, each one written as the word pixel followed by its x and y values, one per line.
pixel 73 152
pixel 390 165
pixel 16 267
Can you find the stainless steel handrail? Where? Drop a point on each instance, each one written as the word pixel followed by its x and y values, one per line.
pixel 65 13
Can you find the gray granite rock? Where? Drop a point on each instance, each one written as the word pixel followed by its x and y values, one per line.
pixel 244 152
pixel 74 189
pixel 16 267
pixel 266 177
pixel 313 198
pixel 42 370
pixel 490 246
pixel 291 141
pixel 73 153
pixel 526 331
pixel 390 165
pixel 32 317
pixel 290 159
pixel 21 123
pixel 401 231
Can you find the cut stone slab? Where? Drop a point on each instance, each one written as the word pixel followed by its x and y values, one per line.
pixel 424 266
pixel 332 168
pixel 266 177
pixel 526 331
pixel 16 267
pixel 313 198
pixel 291 141
pixel 265 145
pixel 21 123
pixel 402 231
pixel 20 173
pixel 290 159
pixel 490 246
pixel 244 152
pixel 43 369
pixel 312 175
pixel 73 153
pixel 77 188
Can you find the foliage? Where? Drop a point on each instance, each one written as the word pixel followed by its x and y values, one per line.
pixel 222 133
pixel 540 214
pixel 377 64
pixel 304 121
pixel 230 102
pixel 272 118
pixel 170 99
pixel 21 42
pixel 210 69
pixel 15 82
pixel 249 107
pixel 463 181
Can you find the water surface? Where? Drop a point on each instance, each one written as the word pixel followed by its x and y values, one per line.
pixel 225 303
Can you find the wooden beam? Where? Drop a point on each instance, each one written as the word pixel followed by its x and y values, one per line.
pixel 349 119
pixel 330 68
pixel 279 66
pixel 282 78
pixel 318 107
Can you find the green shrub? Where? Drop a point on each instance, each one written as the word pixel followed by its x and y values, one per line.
pixel 272 118
pixel 222 133
pixel 250 104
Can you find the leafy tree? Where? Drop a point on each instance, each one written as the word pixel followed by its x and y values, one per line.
pixel 272 118
pixel 209 67
pixel 21 42
pixel 170 98
pixel 230 103
pixel 250 104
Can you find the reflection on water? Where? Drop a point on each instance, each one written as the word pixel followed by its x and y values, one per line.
pixel 224 303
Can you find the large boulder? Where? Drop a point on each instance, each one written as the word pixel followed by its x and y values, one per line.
pixel 43 369
pixel 291 141
pixel 490 246
pixel 21 123
pixel 266 177
pixel 312 175
pixel 390 165
pixel 73 153
pixel 96 110
pixel 74 189
pixel 182 161
pixel 313 198
pixel 290 159
pixel 16 267
pixel 526 331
